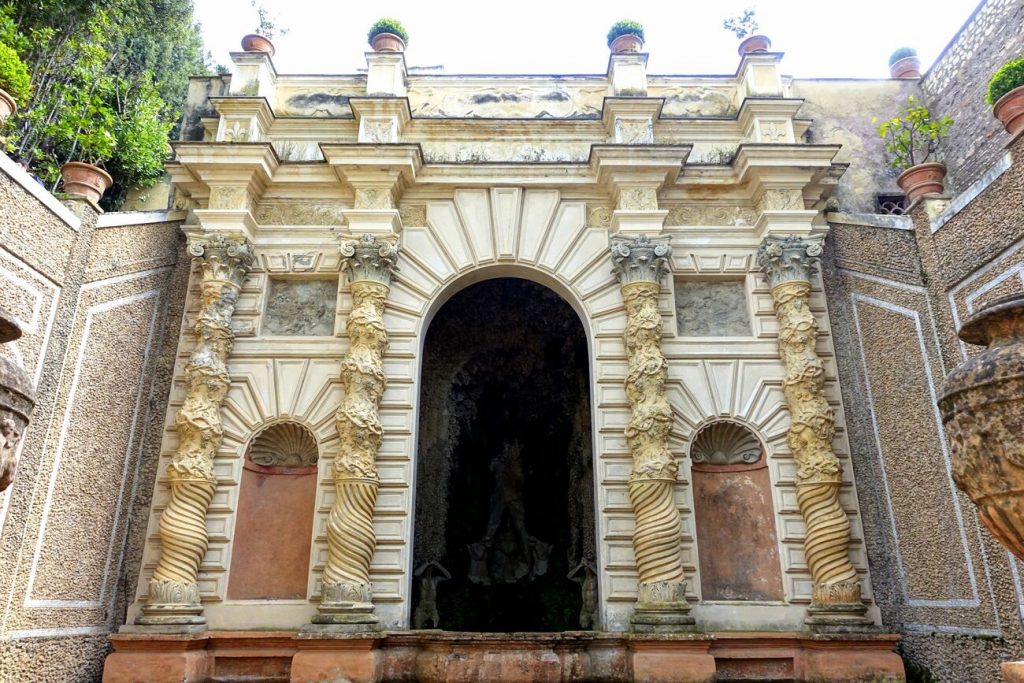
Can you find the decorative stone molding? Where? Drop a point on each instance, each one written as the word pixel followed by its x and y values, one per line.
pixel 724 442
pixel 638 199
pixel 634 131
pixel 599 216
pixel 173 589
pixel 778 199
pixel 347 595
pixel 640 263
pixel 836 597
pixel 373 198
pixel 414 215
pixel 229 197
pixel 286 444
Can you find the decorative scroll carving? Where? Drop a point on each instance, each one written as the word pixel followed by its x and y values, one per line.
pixel 599 216
pixel 634 131
pixel 286 444
pixel 379 130
pixel 173 591
pixel 413 215
pixel 238 132
pixel 640 263
pixel 781 200
pixel 350 538
pixel 725 443
pixel 299 214
pixel 788 263
pixel 639 199
pixel 711 215
pixel 229 197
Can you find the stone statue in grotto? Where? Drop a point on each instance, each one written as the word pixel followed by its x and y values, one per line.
pixel 429 574
pixel 585 574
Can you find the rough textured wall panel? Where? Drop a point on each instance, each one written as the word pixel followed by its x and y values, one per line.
pixel 956 85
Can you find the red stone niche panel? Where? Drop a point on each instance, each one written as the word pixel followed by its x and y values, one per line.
pixel 273 532
pixel 736 538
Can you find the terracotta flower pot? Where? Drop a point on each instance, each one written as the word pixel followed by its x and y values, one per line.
pixel 1009 109
pixel 922 179
pixel 627 42
pixel 7 106
pixel 755 44
pixel 982 408
pixel 387 42
pixel 908 67
pixel 85 180
pixel 257 43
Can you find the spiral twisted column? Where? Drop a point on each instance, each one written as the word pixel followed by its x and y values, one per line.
pixel 836 596
pixel 640 263
pixel 347 601
pixel 173 590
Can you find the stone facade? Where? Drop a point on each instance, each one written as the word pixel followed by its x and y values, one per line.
pixel 756 343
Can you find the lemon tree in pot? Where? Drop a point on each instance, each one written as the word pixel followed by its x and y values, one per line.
pixel 89 130
pixel 626 36
pixel 14 82
pixel 745 26
pixel 388 35
pixel 912 141
pixel 1006 95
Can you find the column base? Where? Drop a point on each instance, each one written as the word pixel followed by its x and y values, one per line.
pixel 667 618
pixel 672 660
pixel 173 604
pixel 346 607
pixel 177 658
pixel 848 618
pixel 321 657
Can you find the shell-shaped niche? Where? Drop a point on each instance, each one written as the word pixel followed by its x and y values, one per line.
pixel 285 444
pixel 725 443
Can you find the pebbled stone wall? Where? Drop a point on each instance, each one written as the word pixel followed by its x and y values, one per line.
pixel 101 303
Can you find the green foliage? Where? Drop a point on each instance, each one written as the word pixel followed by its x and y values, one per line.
pixel 743 25
pixel 901 53
pixel 913 137
pixel 14 75
pixel 626 27
pixel 388 25
pixel 1008 77
pixel 267 25
pixel 109 82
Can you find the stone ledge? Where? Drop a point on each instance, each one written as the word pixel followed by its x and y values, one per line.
pixel 871 220
pixel 29 184
pixel 960 201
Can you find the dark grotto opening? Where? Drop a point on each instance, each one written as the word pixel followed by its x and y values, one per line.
pixel 504 530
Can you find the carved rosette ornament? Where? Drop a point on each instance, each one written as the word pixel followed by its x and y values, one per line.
pixel 836 598
pixel 347 595
pixel 640 263
pixel 173 589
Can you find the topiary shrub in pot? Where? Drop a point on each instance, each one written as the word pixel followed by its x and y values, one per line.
pixel 14 82
pixel 388 35
pixel 912 141
pixel 1006 95
pixel 626 36
pixel 904 63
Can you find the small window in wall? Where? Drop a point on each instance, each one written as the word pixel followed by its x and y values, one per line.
pixel 712 308
pixel 304 308
pixel 274 523
pixel 736 539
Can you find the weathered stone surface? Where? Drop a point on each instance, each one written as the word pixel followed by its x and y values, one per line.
pixel 304 308
pixel 705 308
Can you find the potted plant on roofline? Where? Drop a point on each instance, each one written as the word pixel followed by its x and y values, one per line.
pixel 745 27
pixel 388 35
pixel 912 139
pixel 626 36
pixel 1006 95
pixel 14 82
pixel 266 29
pixel 904 63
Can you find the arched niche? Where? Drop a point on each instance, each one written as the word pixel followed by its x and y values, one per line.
pixel 732 504
pixel 274 523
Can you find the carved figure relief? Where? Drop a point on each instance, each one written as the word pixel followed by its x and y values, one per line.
pixel 10 437
pixel 788 263
pixel 301 308
pixel 638 199
pixel 173 590
pixel 413 215
pixel 350 537
pixel 372 198
pixel 634 131
pixel 780 200
pixel 299 214
pixel 708 308
pixel 378 130
pixel 711 215
pixel 509 102
pixel 585 574
pixel 599 216
pixel 227 197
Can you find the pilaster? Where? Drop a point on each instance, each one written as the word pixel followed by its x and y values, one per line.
pixel 377 175
pixel 758 75
pixel 788 263
pixel 627 74
pixel 632 176
pixel 253 75
pixel 386 74
pixel 381 119
pixel 242 119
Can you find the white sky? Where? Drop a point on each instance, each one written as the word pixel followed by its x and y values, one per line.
pixel 822 38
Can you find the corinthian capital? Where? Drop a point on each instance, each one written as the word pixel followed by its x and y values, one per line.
pixel 369 259
pixel 640 258
pixel 788 258
pixel 221 257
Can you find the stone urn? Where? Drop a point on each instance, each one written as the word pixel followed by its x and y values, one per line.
pixel 16 401
pixel 982 409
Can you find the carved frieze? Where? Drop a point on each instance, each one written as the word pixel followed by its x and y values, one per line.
pixel 638 199
pixel 229 197
pixel 373 198
pixel 294 213
pixel 776 199
pixel 711 215
pixel 508 102
pixel 634 131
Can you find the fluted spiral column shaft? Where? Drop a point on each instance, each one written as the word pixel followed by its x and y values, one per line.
pixel 173 589
pixel 836 591
pixel 640 263
pixel 347 599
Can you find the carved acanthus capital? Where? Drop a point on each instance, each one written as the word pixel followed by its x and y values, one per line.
pixel 640 258
pixel 222 258
pixel 369 259
pixel 788 258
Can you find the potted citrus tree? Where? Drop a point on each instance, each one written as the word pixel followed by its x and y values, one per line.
pixel 904 63
pixel 1006 95
pixel 388 35
pixel 93 141
pixel 626 36
pixel 912 140
pixel 266 29
pixel 14 82
pixel 745 27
